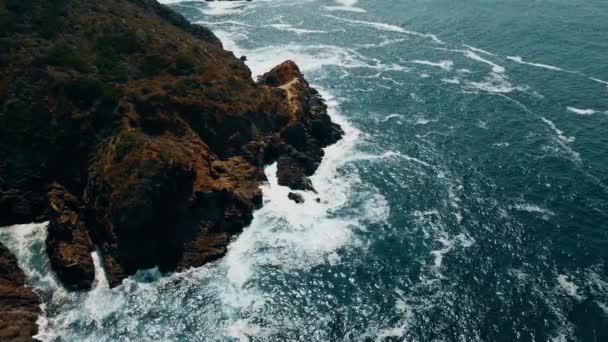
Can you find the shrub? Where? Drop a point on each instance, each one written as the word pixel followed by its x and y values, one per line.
pixel 127 142
pixel 152 65
pixel 119 43
pixel 183 87
pixel 185 63
pixel 108 51
pixel 62 55
pixel 85 92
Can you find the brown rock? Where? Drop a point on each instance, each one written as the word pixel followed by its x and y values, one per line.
pixel 68 243
pixel 157 135
pixel 19 305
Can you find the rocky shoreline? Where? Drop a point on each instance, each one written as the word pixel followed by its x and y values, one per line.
pixel 134 132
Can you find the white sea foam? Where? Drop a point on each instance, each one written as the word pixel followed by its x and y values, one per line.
pixel 472 48
pixel 308 57
pixel 533 208
pixel 346 5
pixel 598 80
pixel 560 134
pixel 567 284
pixel 448 244
pixel 387 155
pixel 420 120
pixel 519 60
pixel 383 43
pixel 496 83
pixel 581 111
pixel 474 56
pixel 27 243
pixel 388 27
pixel 392 116
pixel 101 302
pixel 296 30
pixel 444 64
pixel 224 8
pixel 450 80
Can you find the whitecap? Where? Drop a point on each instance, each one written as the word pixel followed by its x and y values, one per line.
pixel 383 43
pixel 346 5
pixel 494 83
pixel 224 8
pixel 448 244
pixel 298 31
pixel 598 80
pixel 560 133
pixel 392 116
pixel 450 80
pixel 533 208
pixel 581 111
pixel 519 60
pixel 567 284
pixel 389 28
pixel 495 67
pixel 444 64
pixel 485 52
pixel 307 57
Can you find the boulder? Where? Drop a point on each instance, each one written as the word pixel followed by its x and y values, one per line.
pixel 295 197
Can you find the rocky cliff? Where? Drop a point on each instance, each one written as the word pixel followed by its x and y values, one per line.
pixel 136 133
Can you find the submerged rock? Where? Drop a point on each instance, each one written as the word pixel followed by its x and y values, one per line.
pixel 19 304
pixel 295 197
pixel 156 134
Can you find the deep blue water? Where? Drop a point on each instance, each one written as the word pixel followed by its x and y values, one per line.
pixel 468 200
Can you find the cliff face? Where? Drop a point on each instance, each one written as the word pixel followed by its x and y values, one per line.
pixel 134 131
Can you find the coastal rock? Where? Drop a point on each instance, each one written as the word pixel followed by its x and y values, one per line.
pixel 158 136
pixel 308 130
pixel 68 243
pixel 295 197
pixel 19 304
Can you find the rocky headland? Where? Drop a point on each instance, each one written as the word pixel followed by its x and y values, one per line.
pixel 135 133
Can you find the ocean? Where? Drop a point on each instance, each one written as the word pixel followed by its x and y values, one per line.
pixel 467 201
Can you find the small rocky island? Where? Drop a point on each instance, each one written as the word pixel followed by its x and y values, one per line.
pixel 135 133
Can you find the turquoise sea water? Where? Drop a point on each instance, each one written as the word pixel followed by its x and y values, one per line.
pixel 468 200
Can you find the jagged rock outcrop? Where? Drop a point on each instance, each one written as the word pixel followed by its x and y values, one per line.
pixel 151 138
pixel 19 304
pixel 69 246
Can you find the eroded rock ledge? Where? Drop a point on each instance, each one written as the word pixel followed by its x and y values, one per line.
pixel 134 132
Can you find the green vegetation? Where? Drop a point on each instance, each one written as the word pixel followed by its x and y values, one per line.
pixel 46 20
pixel 152 65
pixel 186 62
pixel 216 94
pixel 84 92
pixel 110 48
pixel 183 87
pixel 126 143
pixel 62 55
